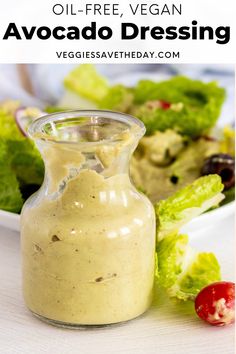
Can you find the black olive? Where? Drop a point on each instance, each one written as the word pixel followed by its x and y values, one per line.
pixel 174 179
pixel 223 165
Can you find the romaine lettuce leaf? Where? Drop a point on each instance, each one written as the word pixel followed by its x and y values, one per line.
pixel 25 161
pixel 201 105
pixel 183 271
pixel 188 203
pixel 10 196
pixel 179 89
pixel 9 129
pixel 86 82
pixel 171 252
pixel 204 269
pixel 20 162
pixel 118 98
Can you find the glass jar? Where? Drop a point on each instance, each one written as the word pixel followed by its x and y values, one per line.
pixel 88 236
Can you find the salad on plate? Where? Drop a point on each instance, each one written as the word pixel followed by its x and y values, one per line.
pixel 182 141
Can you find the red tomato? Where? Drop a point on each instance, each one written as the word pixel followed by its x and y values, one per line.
pixel 215 303
pixel 165 105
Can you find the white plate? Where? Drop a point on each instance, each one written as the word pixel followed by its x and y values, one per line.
pixel 12 221
pixel 209 219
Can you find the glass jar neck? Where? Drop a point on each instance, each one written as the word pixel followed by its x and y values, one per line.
pixel 104 158
pixel 70 142
pixel 64 163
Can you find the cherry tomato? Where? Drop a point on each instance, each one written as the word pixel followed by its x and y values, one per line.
pixel 215 303
pixel 165 105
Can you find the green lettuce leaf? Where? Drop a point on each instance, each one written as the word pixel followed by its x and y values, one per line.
pixel 85 81
pixel 9 129
pixel 25 161
pixel 21 166
pixel 178 89
pixel 171 251
pixel 118 98
pixel 188 203
pixel 183 271
pixel 201 105
pixel 204 269
pixel 10 196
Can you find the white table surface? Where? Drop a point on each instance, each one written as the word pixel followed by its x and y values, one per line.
pixel 165 328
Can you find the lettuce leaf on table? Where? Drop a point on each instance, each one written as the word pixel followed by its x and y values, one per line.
pixel 202 270
pixel 181 270
pixel 171 251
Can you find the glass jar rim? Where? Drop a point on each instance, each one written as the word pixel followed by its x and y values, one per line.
pixel 36 128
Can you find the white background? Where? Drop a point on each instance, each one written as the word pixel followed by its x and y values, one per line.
pixel 39 13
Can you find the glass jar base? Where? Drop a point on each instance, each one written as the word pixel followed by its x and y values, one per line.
pixel 68 325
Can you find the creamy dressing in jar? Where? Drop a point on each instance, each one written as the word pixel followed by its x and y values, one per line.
pixel 88 236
